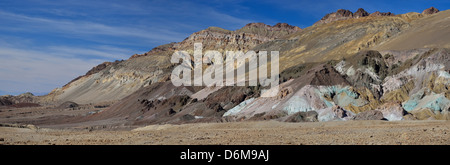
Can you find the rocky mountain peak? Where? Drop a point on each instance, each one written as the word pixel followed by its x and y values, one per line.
pixel 360 13
pixel 256 24
pixel 430 10
pixel 343 14
pixel 379 14
pixel 285 26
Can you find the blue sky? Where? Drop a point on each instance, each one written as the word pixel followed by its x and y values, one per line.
pixel 46 43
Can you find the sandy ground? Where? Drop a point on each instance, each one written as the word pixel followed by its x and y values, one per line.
pixel 244 133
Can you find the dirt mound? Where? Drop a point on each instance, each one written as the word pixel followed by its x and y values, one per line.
pixel 228 97
pixel 68 104
pixel 164 107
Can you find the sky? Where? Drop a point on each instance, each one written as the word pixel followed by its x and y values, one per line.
pixel 46 43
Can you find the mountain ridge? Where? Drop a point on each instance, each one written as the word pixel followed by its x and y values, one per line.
pixel 345 64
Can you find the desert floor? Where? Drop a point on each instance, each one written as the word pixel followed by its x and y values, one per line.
pixel 243 133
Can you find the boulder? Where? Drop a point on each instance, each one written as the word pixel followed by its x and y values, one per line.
pixel 369 115
pixel 310 116
pixel 392 111
pixel 334 113
pixel 187 117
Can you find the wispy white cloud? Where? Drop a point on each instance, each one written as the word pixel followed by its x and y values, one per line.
pixel 234 22
pixel 85 28
pixel 40 70
pixel 102 52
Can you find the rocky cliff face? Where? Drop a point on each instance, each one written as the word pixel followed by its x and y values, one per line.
pixel 216 38
pixel 114 80
pixel 252 34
